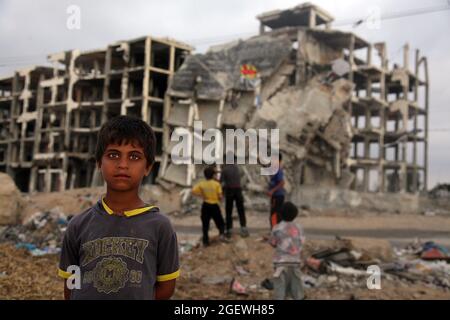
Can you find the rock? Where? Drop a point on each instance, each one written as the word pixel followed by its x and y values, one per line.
pixel 309 281
pixel 240 249
pixel 11 201
pixel 332 279
pixel 373 248
pixel 216 280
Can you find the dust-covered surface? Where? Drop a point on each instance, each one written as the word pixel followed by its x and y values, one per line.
pixel 206 273
pixel 29 252
pixel 23 276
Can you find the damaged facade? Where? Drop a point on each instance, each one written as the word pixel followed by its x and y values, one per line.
pixel 346 119
pixel 50 116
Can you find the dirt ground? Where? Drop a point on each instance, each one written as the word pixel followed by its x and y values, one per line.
pixel 206 273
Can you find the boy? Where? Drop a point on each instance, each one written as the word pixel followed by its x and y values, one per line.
pixel 276 193
pixel 287 239
pixel 125 249
pixel 211 193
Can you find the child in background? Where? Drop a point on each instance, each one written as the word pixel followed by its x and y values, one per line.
pixel 211 193
pixel 287 239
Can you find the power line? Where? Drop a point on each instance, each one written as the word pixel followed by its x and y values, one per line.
pixel 341 23
pixel 211 40
pixel 395 15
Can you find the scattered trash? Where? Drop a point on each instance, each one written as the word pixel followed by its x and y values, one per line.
pixel 241 270
pixel 433 251
pixel 267 284
pixel 308 281
pixel 34 251
pixel 346 270
pixel 187 246
pixel 253 287
pixel 40 234
pixel 28 246
pixel 238 288
pixel 313 263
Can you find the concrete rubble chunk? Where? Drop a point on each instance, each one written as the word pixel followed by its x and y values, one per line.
pixel 10 201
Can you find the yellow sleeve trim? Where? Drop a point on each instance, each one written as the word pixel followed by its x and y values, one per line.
pixel 64 274
pixel 167 277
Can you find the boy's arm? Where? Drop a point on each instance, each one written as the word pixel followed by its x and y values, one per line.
pixel 278 186
pixel 69 256
pixel 168 268
pixel 165 289
pixel 273 240
pixel 220 192
pixel 67 291
pixel 196 190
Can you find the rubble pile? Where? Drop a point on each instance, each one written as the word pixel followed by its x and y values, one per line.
pixel 40 234
pixel 332 269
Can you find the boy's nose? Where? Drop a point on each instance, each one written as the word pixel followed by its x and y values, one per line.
pixel 123 163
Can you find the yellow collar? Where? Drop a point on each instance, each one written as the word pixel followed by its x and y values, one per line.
pixel 128 213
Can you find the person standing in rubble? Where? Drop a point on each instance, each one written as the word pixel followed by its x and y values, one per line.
pixel 231 181
pixel 287 238
pixel 210 191
pixel 276 192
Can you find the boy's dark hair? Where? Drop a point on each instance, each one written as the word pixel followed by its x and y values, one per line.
pixel 123 130
pixel 209 172
pixel 289 211
pixel 280 157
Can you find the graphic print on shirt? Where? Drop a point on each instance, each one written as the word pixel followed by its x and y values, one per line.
pixel 112 273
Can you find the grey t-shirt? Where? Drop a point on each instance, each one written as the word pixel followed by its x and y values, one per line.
pixel 120 257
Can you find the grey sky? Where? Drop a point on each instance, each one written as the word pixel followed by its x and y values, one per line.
pixel 29 30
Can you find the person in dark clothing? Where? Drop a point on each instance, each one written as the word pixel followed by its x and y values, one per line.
pixel 276 193
pixel 231 180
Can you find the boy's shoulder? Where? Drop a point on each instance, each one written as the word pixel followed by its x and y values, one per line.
pixel 208 182
pixel 157 217
pixel 284 225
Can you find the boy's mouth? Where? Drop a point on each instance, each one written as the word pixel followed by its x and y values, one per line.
pixel 121 176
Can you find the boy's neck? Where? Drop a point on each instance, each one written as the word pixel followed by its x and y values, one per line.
pixel 120 201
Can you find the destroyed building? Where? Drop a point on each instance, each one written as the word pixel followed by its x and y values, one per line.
pixel 347 116
pixel 50 116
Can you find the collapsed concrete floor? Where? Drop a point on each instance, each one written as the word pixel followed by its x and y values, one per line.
pixel 347 116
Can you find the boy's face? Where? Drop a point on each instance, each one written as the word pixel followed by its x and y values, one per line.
pixel 124 166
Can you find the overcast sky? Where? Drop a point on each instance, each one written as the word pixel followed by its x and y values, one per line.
pixel 29 30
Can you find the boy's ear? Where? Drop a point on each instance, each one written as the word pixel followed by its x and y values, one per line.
pixel 148 169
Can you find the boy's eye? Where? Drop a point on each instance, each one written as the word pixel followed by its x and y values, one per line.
pixel 134 157
pixel 113 155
